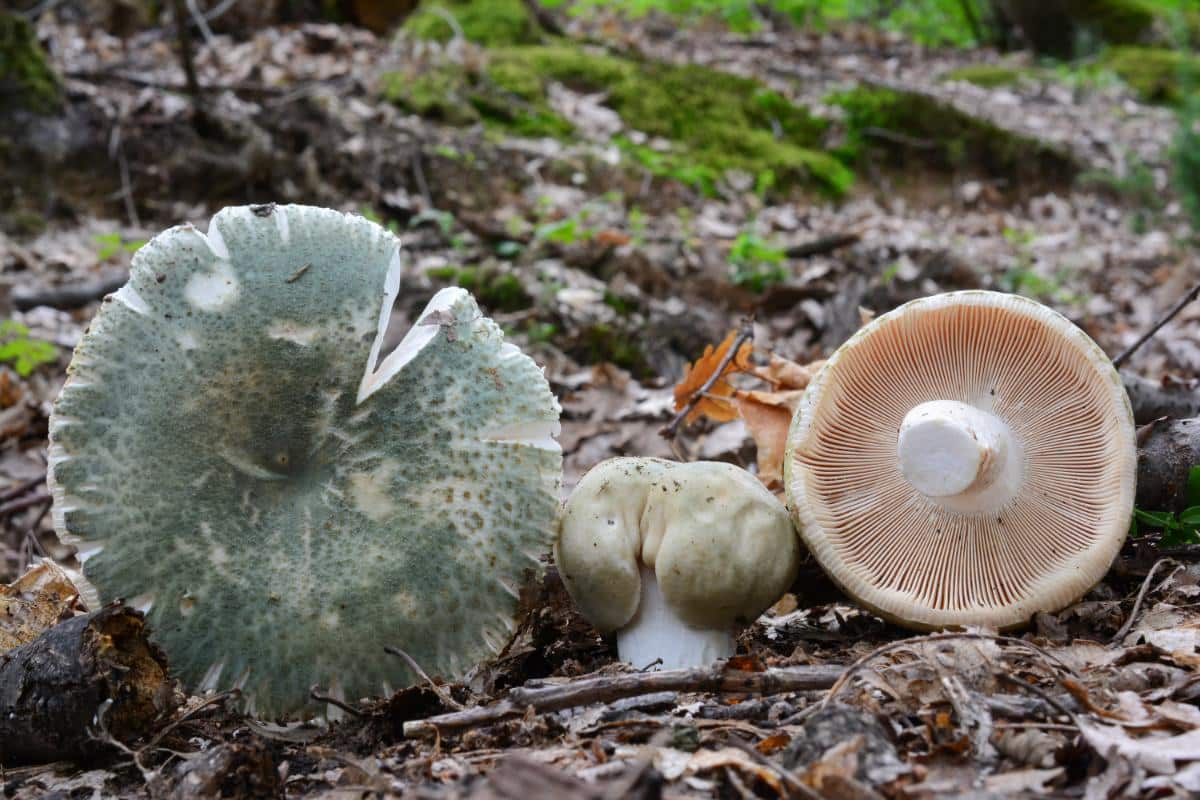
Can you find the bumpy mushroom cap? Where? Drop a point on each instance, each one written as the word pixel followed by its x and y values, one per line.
pixel 965 459
pixel 228 455
pixel 652 546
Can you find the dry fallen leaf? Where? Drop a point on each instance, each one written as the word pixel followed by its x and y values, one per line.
pixel 39 599
pixel 1154 753
pixel 783 373
pixel 696 375
pixel 707 760
pixel 768 416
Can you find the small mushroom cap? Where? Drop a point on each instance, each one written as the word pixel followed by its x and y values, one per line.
pixel 1034 531
pixel 600 538
pixel 722 547
pixel 231 454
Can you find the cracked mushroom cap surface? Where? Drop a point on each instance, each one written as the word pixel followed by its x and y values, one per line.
pixel 722 547
pixel 231 454
pixel 965 459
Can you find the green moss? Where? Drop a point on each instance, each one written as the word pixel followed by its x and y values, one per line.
pixel 604 343
pixel 1157 75
pixel 987 75
pixel 495 290
pixel 26 79
pixel 488 22
pixel 715 121
pixel 910 124
pixel 719 121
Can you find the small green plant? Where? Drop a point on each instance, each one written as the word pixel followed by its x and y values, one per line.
pixel 444 220
pixel 565 232
pixel 113 243
pixel 637 226
pixel 24 353
pixel 1177 529
pixel 755 263
pixel 370 213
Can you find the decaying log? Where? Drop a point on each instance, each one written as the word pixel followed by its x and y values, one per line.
pixel 52 689
pixel 544 698
pixel 1153 399
pixel 1167 450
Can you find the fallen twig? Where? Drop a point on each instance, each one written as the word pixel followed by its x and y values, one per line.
pixel 321 696
pixel 13 506
pixel 861 663
pixel 437 688
pixel 1137 603
pixel 66 297
pixel 822 245
pixel 1163 320
pixel 745 334
pixel 22 488
pixel 607 688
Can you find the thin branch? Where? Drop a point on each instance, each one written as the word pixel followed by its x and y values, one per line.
pixel 861 663
pixel 438 689
pixel 1137 603
pixel 22 488
pixel 745 334
pixel 786 776
pixel 66 297
pixel 1145 337
pixel 185 54
pixel 607 688
pixel 184 717
pixel 320 696
pixel 13 506
pixel 822 245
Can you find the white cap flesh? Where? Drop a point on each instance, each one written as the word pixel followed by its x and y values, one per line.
pixel 966 459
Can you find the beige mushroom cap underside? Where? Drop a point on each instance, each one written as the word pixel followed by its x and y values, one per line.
pixel 928 564
pixel 721 546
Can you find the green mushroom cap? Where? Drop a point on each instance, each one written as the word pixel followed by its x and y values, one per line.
pixel 231 455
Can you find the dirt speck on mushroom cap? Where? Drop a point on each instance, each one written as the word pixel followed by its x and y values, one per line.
pixel 211 455
pixel 920 561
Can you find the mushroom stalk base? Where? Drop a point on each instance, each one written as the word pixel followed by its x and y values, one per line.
pixel 656 632
pixel 962 457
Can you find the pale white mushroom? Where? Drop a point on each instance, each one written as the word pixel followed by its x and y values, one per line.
pixel 674 557
pixel 965 459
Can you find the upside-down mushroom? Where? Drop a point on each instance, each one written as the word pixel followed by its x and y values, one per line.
pixel 965 459
pixel 231 454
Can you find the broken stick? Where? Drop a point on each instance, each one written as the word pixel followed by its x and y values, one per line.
pixel 52 688
pixel 614 687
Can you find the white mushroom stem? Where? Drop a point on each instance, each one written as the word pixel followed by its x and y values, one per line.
pixel 948 448
pixel 656 632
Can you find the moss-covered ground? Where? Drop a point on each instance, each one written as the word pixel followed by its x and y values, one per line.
pixel 916 125
pixel 714 120
pixel 26 79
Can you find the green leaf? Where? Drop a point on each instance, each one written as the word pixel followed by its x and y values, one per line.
pixel 1193 486
pixel 1190 516
pixel 508 249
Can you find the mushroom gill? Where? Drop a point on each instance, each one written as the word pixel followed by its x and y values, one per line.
pixel 1032 531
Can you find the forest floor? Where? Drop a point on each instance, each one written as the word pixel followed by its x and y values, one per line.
pixel 614 269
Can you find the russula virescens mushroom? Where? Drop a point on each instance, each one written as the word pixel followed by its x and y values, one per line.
pixel 674 556
pixel 966 459
pixel 231 454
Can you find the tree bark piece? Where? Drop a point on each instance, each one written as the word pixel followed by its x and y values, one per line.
pixel 1167 451
pixel 66 297
pixel 52 689
pixel 1153 399
pixel 614 687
